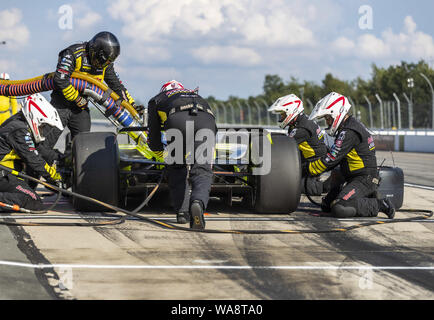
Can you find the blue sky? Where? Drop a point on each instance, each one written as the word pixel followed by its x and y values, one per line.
pixel 225 47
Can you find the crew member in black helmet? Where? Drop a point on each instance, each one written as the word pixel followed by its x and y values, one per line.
pixel 95 58
pixel 176 107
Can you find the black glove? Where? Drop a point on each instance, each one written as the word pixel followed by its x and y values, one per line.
pixel 139 108
pixel 81 102
pixel 314 186
pixel 325 206
pixel 65 159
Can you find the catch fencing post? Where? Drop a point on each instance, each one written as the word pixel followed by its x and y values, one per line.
pixel 432 101
pixel 216 108
pixel 258 109
pixel 225 113
pixel 410 111
pixel 371 122
pixel 398 104
pixel 381 110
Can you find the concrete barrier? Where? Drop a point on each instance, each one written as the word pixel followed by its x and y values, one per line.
pixel 404 140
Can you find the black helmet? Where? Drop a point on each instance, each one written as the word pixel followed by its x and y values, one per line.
pixel 103 49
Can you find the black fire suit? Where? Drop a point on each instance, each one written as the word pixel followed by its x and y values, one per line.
pixel 355 194
pixel 310 141
pixel 75 58
pixel 172 110
pixel 18 150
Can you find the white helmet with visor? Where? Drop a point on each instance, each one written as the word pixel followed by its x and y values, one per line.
pixel 333 107
pixel 41 116
pixel 288 107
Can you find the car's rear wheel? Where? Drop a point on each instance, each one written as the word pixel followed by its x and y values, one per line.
pixel 95 170
pixel 278 189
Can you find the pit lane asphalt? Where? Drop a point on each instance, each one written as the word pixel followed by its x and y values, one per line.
pixel 136 260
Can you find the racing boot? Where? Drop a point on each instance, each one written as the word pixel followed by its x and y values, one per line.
pixel 386 206
pixel 197 220
pixel 182 217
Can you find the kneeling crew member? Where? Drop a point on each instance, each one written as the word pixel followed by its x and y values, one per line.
pixel 175 108
pixel 19 136
pixel 354 150
pixel 307 134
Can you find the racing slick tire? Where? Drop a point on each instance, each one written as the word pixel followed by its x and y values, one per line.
pixel 95 167
pixel 279 191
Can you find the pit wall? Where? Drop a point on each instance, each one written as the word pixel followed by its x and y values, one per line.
pixel 396 140
pixel 404 140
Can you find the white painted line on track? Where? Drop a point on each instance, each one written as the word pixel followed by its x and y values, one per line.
pixel 325 267
pixel 418 186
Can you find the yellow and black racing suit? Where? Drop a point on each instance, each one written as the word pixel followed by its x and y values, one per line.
pixel 75 58
pixel 354 151
pixel 310 141
pixel 18 150
pixel 182 109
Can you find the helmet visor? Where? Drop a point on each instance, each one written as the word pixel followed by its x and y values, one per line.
pixel 45 130
pixel 101 60
pixel 282 115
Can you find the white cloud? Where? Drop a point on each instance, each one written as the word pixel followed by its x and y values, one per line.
pixel 408 44
pixel 140 52
pixel 7 66
pixel 227 55
pixel 243 26
pixel 12 30
pixel 89 20
pixel 147 20
pixel 343 46
pixel 369 46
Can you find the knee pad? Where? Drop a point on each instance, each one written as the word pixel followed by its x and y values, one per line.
pixel 343 209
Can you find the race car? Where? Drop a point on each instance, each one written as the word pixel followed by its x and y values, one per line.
pixel 260 167
pixel 264 171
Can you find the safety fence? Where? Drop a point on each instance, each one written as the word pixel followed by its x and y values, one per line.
pixel 384 115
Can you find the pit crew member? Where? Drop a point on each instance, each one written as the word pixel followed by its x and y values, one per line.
pixel 173 108
pixel 95 58
pixel 19 136
pixel 354 151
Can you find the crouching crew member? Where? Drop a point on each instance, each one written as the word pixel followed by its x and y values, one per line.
pixel 354 150
pixel 176 107
pixel 19 136
pixel 307 134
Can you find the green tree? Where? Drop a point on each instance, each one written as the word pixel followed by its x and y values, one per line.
pixel 383 81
